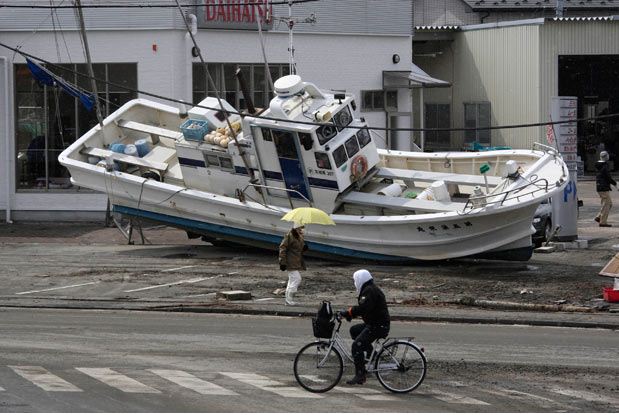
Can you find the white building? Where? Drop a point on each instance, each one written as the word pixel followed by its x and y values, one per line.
pixel 349 47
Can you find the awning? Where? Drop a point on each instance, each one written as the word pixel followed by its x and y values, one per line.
pixel 415 78
pixel 422 79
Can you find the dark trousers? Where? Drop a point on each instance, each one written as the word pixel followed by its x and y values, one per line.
pixel 363 335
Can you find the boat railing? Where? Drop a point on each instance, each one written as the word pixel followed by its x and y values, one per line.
pixel 545 148
pixel 500 198
pixel 241 193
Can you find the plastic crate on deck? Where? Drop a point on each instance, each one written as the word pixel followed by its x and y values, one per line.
pixel 194 129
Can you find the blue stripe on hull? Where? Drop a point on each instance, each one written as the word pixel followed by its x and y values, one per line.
pixel 520 254
pixel 249 236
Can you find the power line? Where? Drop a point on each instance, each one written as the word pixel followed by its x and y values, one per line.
pixel 178 101
pixel 152 6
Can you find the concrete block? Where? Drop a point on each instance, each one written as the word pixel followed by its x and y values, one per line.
pixel 558 246
pixel 234 295
pixel 545 249
pixel 582 243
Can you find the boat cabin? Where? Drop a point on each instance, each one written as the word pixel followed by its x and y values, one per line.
pixel 306 148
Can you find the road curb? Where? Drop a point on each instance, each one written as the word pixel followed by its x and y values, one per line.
pixel 303 312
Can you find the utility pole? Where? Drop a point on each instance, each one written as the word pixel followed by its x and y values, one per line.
pixel 91 72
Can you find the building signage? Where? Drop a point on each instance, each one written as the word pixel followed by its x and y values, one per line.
pixel 565 109
pixel 234 14
pixel 565 204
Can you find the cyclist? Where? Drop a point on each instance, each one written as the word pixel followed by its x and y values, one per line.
pixel 373 310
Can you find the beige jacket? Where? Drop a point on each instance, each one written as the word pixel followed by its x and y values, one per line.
pixel 291 252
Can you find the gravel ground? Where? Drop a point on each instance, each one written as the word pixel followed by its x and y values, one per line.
pixel 568 277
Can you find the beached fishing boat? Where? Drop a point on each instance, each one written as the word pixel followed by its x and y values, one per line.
pixel 230 177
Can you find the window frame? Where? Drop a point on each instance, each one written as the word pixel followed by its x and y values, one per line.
pixel 27 90
pixel 433 139
pixel 200 91
pixel 471 136
pixel 378 98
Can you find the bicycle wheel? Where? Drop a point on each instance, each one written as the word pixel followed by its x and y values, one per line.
pixel 400 366
pixel 318 367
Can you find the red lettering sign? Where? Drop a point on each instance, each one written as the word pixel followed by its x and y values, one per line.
pixel 236 11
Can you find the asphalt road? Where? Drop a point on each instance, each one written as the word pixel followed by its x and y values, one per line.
pixel 89 361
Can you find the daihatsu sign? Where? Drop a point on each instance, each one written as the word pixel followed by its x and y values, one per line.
pixel 234 14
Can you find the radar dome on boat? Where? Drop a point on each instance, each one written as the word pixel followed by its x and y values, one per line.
pixel 288 85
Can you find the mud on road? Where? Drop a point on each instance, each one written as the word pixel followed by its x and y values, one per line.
pixel 68 252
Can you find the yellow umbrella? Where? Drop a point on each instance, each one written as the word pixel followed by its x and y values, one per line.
pixel 308 215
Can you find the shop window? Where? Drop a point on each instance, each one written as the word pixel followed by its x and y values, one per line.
pixel 438 116
pixel 379 100
pixel 48 120
pixel 477 115
pixel 228 86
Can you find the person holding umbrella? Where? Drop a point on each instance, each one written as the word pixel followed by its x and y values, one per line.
pixel 293 245
pixel 291 259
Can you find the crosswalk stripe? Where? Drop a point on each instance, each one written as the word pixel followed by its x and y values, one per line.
pixel 44 379
pixel 189 381
pixel 116 380
pixel 587 396
pixel 270 385
pixel 367 394
pixel 455 398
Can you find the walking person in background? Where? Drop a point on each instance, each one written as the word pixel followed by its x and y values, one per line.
pixel 603 180
pixel 291 259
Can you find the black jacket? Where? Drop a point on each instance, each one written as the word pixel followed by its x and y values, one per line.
pixel 603 179
pixel 372 305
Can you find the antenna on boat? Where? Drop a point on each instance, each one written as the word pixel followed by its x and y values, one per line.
pixel 290 22
pixel 242 152
pixel 267 17
pixel 91 72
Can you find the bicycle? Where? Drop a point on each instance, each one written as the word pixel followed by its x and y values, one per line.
pixel 399 364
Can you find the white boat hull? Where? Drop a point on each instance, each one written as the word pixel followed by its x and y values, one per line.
pixel 399 238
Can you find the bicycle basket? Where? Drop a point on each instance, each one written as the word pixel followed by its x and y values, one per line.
pixel 322 328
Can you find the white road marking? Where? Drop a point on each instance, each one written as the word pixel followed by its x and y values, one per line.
pixel 57 288
pixel 116 380
pixel 455 398
pixel 367 394
pixel 264 299
pixel 587 396
pixel 192 382
pixel 355 390
pixel 44 379
pixel 168 284
pixel 270 385
pixel 541 401
pixel 179 268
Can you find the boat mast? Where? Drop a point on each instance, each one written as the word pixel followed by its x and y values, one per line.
pixel 290 44
pixel 242 153
pixel 91 72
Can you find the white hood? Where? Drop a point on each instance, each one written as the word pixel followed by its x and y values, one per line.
pixel 361 277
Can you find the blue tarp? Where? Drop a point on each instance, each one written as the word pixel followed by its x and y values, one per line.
pixel 477 146
pixel 48 78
